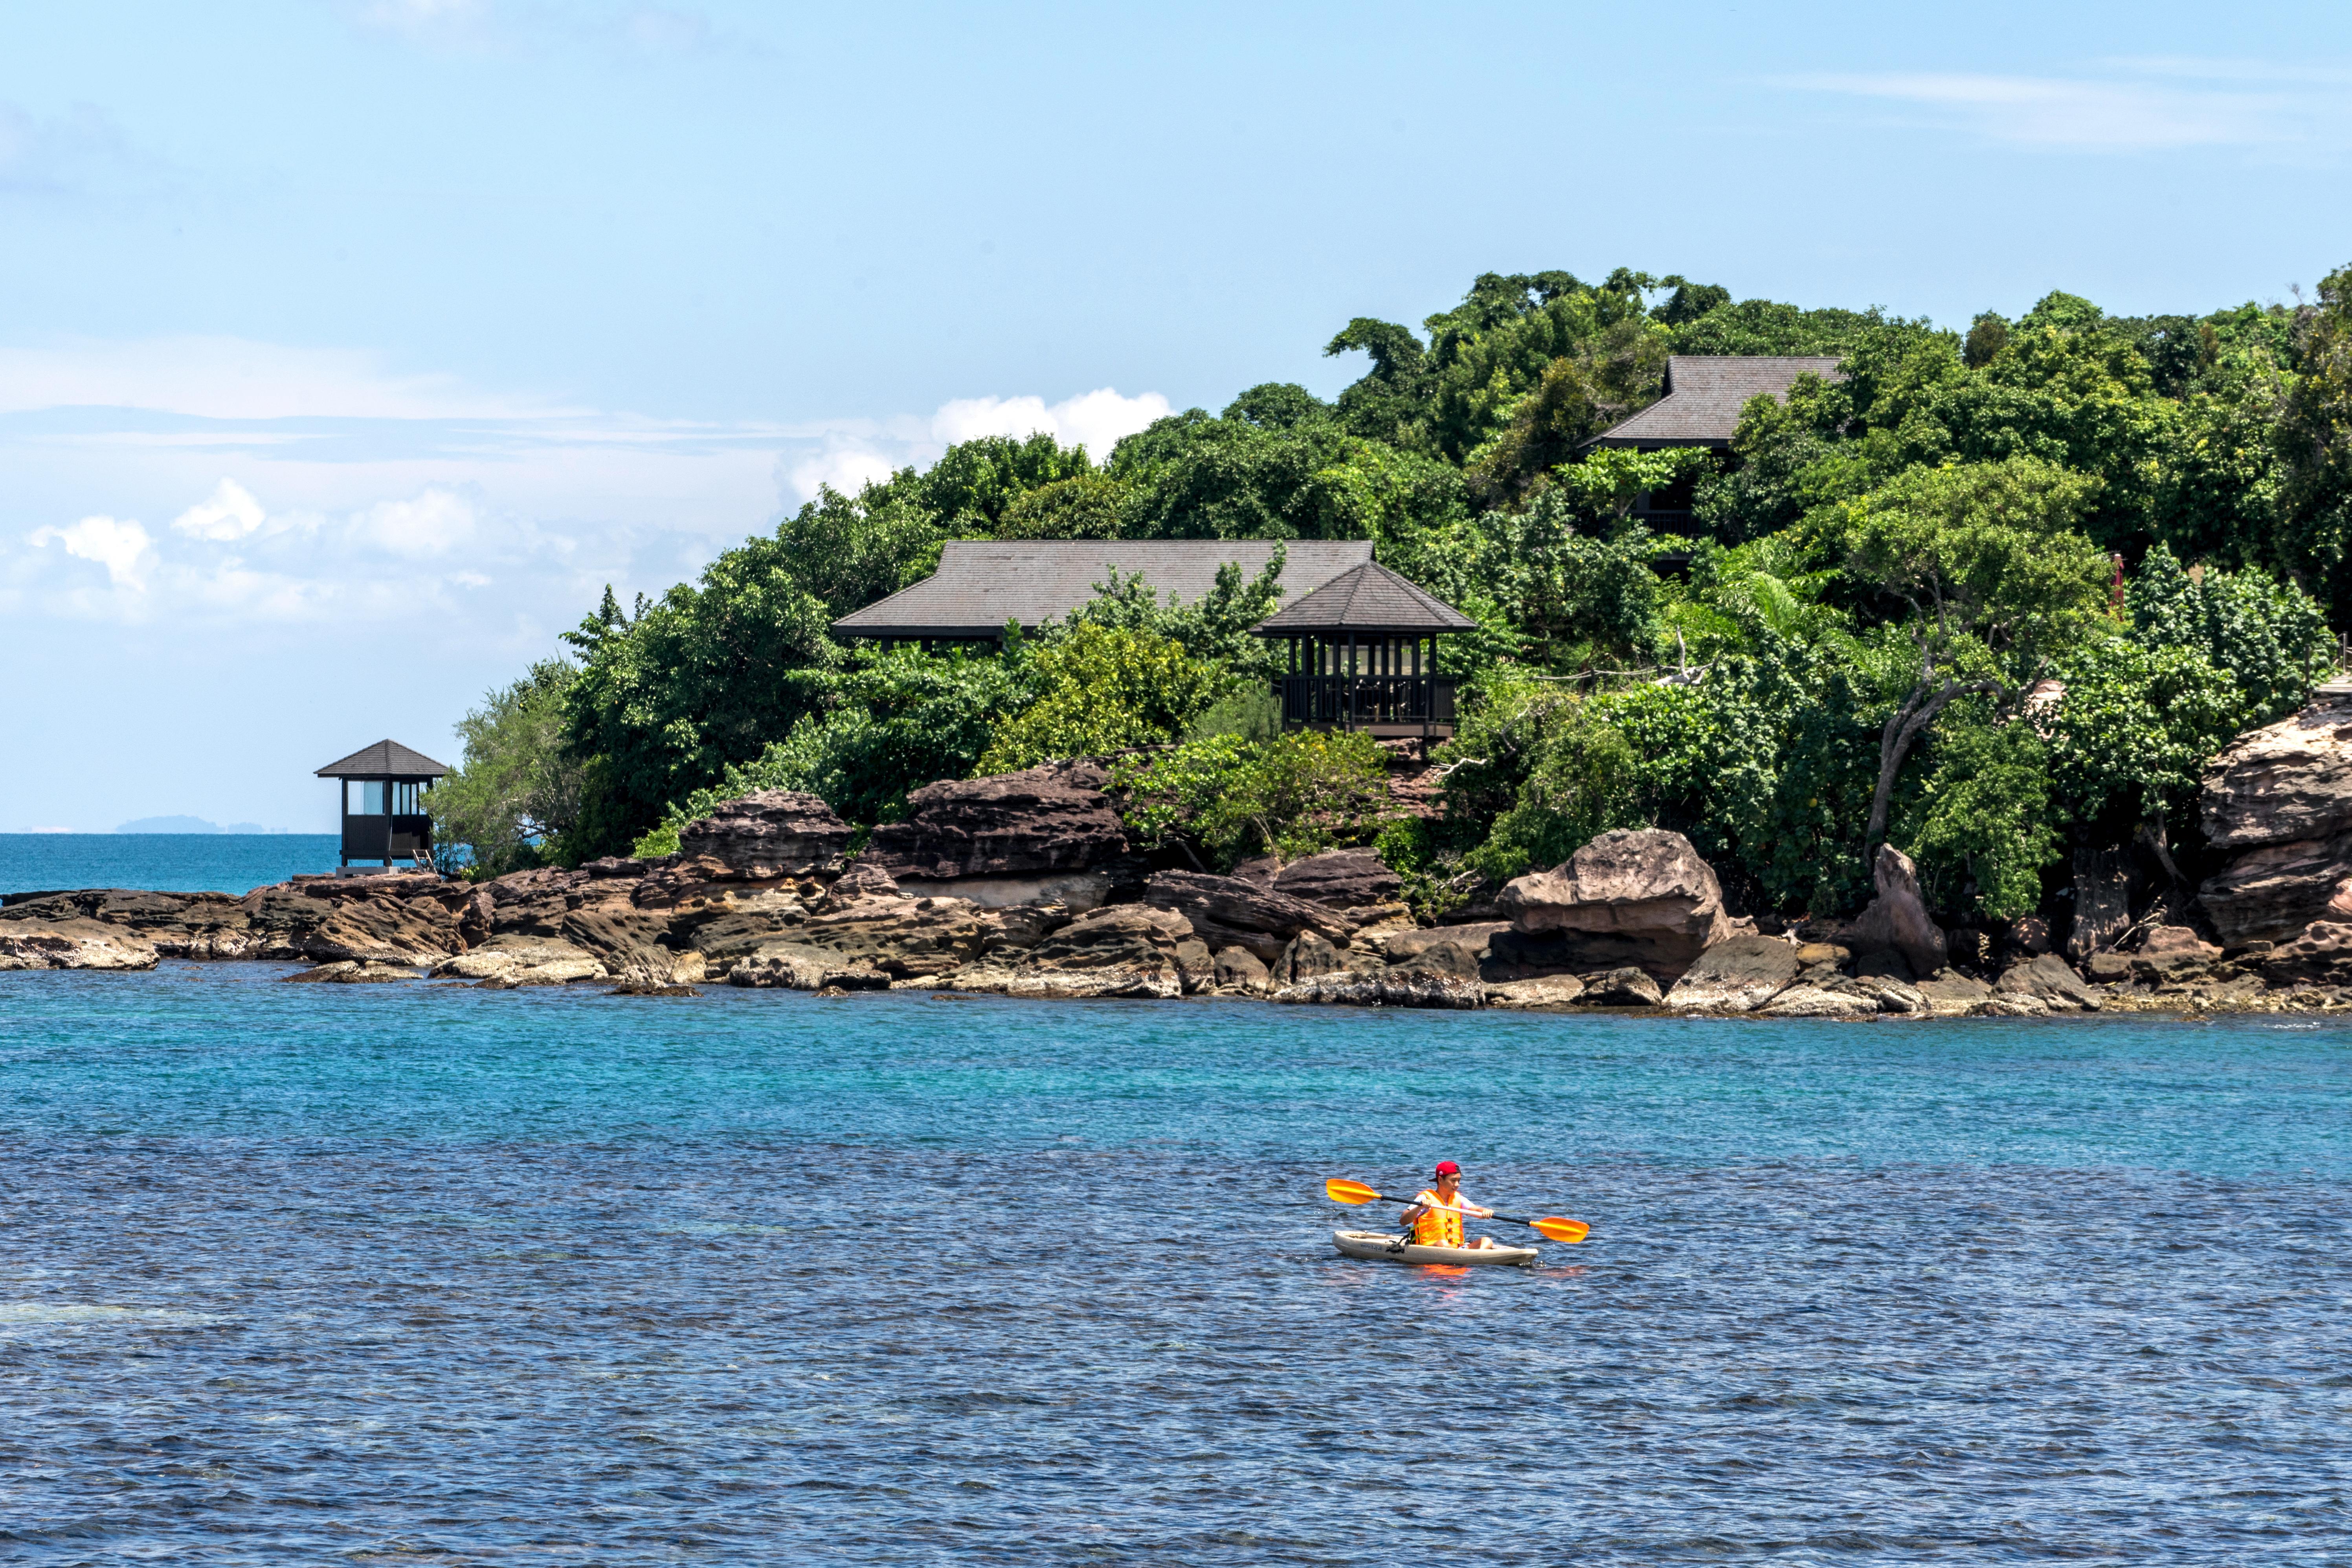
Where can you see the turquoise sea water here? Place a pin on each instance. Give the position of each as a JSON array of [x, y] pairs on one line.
[[302, 1274], [165, 862]]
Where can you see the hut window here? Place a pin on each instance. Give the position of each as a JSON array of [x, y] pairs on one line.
[[366, 797]]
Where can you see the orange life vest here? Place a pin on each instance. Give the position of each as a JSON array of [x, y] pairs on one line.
[[1436, 1227]]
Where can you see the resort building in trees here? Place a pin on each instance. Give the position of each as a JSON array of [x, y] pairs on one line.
[[1703, 396], [1361, 642], [983, 586]]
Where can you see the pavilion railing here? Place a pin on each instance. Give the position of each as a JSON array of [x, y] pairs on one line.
[[386, 837], [1351, 699]]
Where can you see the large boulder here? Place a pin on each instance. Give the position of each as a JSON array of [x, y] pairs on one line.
[[1238, 971], [1039, 835], [1313, 970], [1343, 878], [1227, 911], [2277, 808], [1637, 896], [393, 931], [1950, 993], [538, 902], [1537, 991], [633, 945], [2047, 980], [1125, 950], [906, 938], [2320, 953], [737, 922], [2171, 954], [1898, 918], [1399, 946], [774, 834], [1738, 974], [1630, 987], [791, 967]]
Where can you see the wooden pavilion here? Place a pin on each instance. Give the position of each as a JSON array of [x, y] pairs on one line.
[[382, 789], [1363, 656]]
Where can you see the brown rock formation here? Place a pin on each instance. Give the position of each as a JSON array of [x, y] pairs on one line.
[[776, 833], [1738, 974], [2047, 980], [1343, 878], [906, 938], [1044, 820], [1898, 918], [71, 942], [1637, 896], [794, 968], [1227, 911], [1125, 950], [2278, 805]]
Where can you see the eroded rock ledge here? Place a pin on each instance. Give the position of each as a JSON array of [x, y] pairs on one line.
[[1025, 885]]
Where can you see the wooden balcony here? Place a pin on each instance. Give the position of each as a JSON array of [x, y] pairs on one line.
[[386, 838], [1382, 704]]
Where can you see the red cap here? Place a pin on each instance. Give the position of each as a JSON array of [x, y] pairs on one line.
[[1448, 1168]]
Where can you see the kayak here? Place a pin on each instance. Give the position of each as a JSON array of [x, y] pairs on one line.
[[1389, 1248]]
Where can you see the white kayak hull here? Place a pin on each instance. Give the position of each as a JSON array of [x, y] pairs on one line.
[[1389, 1248]]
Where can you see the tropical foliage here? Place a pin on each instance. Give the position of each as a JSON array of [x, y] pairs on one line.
[[1987, 595]]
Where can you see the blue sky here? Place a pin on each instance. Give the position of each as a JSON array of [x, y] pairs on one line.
[[349, 349]]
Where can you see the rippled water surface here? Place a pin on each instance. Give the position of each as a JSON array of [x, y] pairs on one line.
[[403, 1273], [165, 862]]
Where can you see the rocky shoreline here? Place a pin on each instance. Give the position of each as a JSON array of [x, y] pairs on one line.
[[1027, 884]]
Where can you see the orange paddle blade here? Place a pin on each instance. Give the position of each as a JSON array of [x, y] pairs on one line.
[[1562, 1229], [1341, 1191]]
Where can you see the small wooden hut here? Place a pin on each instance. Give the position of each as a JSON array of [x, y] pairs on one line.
[[382, 791], [1364, 656]]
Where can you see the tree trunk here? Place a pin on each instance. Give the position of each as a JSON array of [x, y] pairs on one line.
[[1894, 741]]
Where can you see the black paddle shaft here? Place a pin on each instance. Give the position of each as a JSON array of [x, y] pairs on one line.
[[1506, 1218]]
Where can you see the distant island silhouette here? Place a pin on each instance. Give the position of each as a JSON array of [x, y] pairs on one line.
[[186, 824]]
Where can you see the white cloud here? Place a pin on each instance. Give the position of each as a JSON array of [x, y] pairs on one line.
[[229, 513], [431, 523], [119, 545], [854, 452], [232, 378], [1094, 420], [840, 468], [2152, 105]]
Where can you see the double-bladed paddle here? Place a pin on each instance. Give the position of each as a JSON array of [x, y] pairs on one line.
[[1342, 1191]]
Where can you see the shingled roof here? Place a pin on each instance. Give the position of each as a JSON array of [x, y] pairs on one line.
[[1372, 598], [1703, 396], [983, 583], [384, 760]]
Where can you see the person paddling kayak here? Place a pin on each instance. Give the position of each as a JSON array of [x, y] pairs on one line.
[[1437, 1210]]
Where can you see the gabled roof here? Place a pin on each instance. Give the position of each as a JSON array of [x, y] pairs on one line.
[[983, 583], [384, 760], [1372, 598], [1703, 396]]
